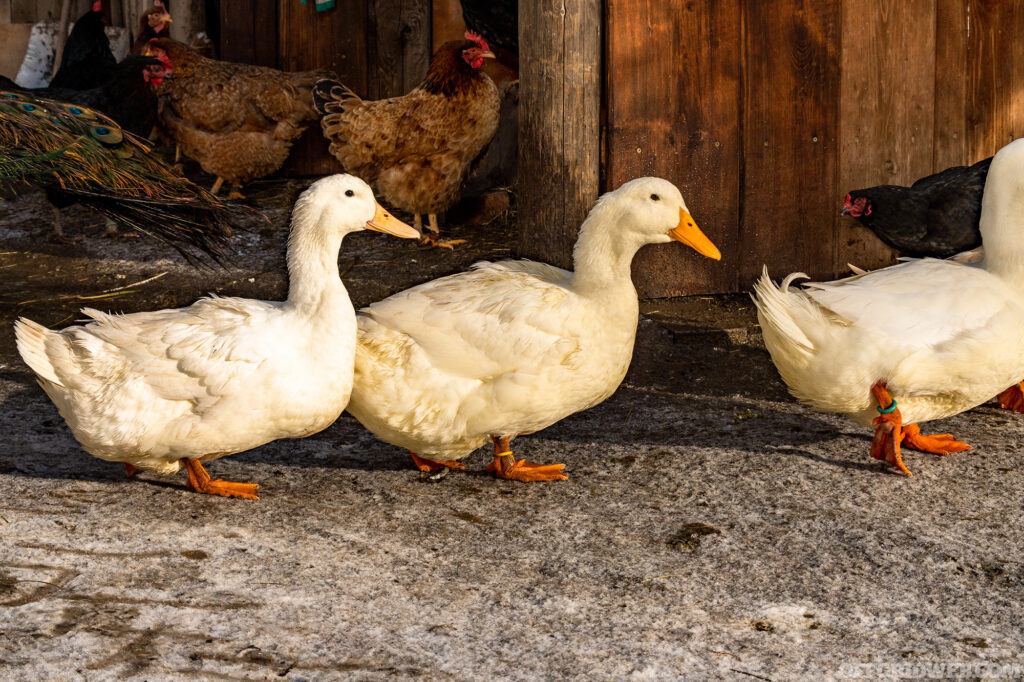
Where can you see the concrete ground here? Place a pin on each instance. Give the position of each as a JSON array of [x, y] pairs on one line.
[[710, 528]]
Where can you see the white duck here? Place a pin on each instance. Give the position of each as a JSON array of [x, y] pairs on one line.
[[941, 337], [512, 347], [158, 389]]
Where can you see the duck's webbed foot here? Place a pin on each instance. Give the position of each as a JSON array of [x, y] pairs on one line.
[[505, 465], [937, 443], [427, 465], [200, 481], [1013, 398], [890, 433]]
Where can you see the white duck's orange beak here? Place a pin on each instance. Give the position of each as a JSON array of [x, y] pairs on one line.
[[382, 221], [688, 233]]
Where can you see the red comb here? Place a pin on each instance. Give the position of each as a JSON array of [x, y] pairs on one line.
[[478, 39], [97, 6]]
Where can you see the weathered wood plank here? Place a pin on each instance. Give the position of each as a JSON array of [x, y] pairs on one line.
[[790, 138], [335, 40], [674, 112], [399, 46], [31, 11], [886, 123], [951, 26], [559, 123], [248, 32], [995, 68], [446, 22]]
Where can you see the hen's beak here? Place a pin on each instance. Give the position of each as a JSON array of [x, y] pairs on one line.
[[688, 233], [488, 55], [382, 221]]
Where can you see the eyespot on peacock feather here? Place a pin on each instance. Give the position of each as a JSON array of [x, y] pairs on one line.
[[85, 154]]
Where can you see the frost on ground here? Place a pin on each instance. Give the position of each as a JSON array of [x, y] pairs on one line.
[[710, 528]]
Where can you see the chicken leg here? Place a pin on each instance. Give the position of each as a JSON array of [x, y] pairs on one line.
[[890, 434], [505, 465], [110, 231], [200, 481], [432, 236], [57, 236]]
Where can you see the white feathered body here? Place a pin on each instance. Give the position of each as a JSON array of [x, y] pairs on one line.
[[945, 337], [218, 377], [224, 374], [507, 348]]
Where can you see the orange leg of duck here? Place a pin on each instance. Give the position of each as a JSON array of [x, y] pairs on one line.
[[426, 465], [130, 470], [505, 465], [1013, 398], [200, 481], [890, 433]]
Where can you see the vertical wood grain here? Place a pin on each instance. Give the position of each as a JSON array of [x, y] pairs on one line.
[[995, 75], [399, 46], [559, 124], [887, 111], [447, 22], [248, 32], [309, 40], [674, 112], [790, 138], [31, 11], [952, 20]]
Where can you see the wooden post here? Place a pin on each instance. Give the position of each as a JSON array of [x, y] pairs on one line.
[[559, 123]]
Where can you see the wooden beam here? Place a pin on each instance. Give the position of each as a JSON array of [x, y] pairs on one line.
[[559, 124]]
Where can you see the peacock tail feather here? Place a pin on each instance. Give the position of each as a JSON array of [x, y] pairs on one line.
[[83, 153]]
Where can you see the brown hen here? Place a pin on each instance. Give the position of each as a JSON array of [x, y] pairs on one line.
[[238, 121], [418, 149]]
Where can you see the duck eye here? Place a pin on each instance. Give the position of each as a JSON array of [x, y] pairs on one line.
[[349, 193], [655, 197]]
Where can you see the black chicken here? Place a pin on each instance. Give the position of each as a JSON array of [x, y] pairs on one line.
[[126, 97], [937, 216], [87, 61]]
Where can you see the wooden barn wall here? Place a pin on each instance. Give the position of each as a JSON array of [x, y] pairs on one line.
[[766, 113], [379, 48]]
